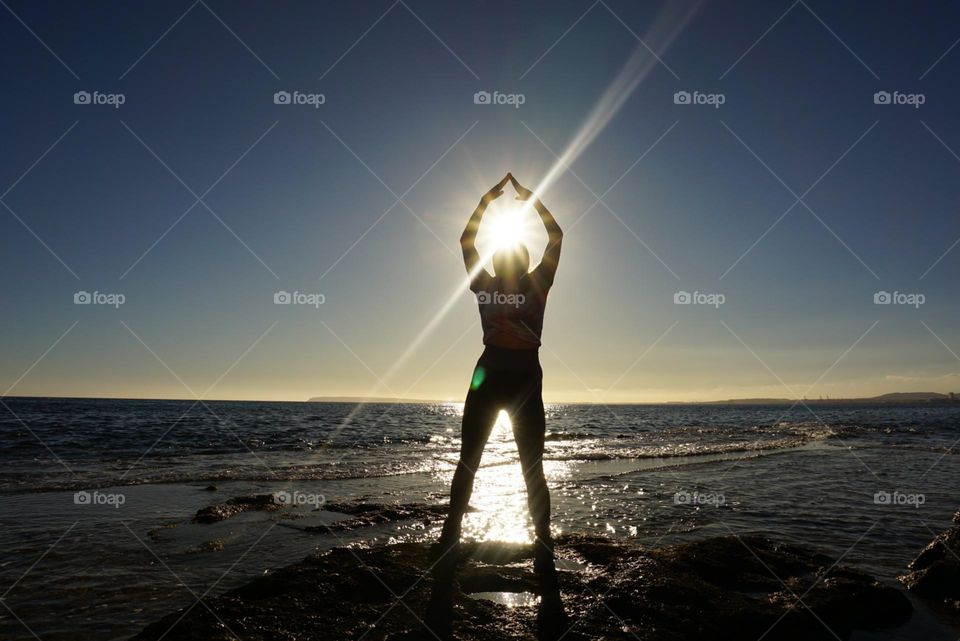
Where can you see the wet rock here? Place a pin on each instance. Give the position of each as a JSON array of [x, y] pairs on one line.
[[718, 588], [367, 514], [213, 545], [156, 532], [935, 573], [236, 505]]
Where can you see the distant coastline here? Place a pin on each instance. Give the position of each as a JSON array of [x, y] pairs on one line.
[[893, 398], [370, 399]]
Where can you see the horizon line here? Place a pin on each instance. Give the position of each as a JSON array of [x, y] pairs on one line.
[[414, 401]]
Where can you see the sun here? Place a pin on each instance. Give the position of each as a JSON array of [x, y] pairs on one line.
[[508, 226], [506, 230]]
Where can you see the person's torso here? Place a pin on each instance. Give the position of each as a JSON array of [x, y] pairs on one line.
[[513, 318]]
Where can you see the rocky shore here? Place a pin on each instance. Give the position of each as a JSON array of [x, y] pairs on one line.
[[731, 587], [935, 573]]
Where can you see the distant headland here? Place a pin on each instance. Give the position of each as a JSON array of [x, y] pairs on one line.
[[370, 399], [894, 398]]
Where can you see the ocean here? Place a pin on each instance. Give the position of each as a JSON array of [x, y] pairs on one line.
[[97, 495]]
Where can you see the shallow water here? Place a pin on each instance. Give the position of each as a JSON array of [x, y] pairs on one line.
[[509, 599], [652, 474]]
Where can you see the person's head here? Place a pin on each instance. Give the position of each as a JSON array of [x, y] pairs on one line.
[[512, 262]]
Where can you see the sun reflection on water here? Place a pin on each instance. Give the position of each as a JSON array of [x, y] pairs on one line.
[[499, 501]]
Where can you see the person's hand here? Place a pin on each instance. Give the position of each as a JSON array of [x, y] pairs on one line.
[[522, 192], [497, 190]]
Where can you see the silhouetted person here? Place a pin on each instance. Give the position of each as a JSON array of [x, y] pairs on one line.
[[507, 375]]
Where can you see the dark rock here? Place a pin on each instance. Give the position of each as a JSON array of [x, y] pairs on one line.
[[719, 588], [223, 511], [213, 545], [367, 514], [935, 573]]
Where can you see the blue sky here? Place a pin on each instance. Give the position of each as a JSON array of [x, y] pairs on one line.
[[297, 192]]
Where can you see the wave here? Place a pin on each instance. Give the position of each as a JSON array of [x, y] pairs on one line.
[[414, 462], [419, 445]]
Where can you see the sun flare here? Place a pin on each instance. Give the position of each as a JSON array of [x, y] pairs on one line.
[[506, 231], [506, 227]]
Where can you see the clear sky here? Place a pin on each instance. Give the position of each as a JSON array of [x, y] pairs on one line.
[[303, 197]]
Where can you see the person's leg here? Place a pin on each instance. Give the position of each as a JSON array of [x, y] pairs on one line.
[[479, 415], [529, 427]]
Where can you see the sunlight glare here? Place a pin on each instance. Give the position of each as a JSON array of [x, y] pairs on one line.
[[499, 493], [507, 231], [506, 227]]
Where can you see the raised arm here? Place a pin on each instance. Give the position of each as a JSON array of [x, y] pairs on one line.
[[551, 255], [471, 257]]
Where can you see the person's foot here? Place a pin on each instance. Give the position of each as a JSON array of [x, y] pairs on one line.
[[543, 555], [438, 617]]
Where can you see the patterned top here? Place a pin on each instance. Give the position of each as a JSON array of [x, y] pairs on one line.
[[519, 313]]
